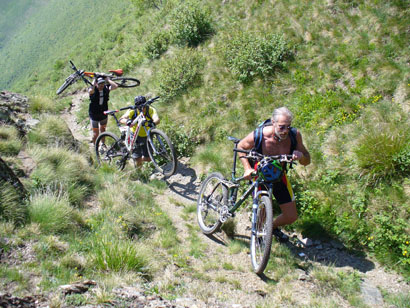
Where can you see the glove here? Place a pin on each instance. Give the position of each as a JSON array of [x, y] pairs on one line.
[[129, 122], [151, 123]]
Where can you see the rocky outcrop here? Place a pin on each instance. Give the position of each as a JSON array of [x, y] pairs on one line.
[[14, 111]]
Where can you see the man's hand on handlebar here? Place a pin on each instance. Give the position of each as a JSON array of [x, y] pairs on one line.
[[248, 174], [297, 155]]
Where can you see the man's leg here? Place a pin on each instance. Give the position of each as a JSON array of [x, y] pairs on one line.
[[288, 216]]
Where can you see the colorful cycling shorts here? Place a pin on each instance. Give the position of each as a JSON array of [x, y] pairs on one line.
[[282, 190]]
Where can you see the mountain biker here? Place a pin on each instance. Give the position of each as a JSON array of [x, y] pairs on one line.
[[140, 151], [276, 140], [99, 95]]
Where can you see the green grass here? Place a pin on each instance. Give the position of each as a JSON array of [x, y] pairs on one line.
[[10, 141]]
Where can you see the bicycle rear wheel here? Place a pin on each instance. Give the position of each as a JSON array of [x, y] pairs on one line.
[[212, 197], [126, 82], [162, 152], [69, 81], [111, 150], [261, 238]]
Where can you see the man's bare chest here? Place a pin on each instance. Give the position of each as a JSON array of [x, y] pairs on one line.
[[271, 146]]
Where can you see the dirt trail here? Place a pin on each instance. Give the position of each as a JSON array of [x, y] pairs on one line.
[[239, 286]]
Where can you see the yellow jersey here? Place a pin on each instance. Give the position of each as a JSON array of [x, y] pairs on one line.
[[151, 113]]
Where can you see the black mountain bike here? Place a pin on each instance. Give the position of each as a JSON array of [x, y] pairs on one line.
[[115, 76], [217, 201], [114, 150]]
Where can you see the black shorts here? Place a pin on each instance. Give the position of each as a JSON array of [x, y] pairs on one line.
[[140, 147], [282, 191]]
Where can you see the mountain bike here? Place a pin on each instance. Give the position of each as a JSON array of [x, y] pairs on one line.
[[217, 202], [117, 150], [115, 76]]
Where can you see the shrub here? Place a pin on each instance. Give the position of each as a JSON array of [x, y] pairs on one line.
[[248, 55], [52, 212], [184, 139], [10, 142], [41, 104], [383, 147], [62, 170], [157, 45], [118, 255], [178, 73], [52, 131], [191, 23]]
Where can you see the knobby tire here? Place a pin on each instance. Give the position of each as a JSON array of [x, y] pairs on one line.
[[261, 241], [212, 196], [126, 82], [161, 152], [114, 153]]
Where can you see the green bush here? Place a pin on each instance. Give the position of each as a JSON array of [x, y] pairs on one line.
[[191, 23], [178, 73], [184, 139], [382, 151], [157, 45], [52, 131], [52, 212], [118, 255], [10, 142], [62, 170], [248, 55]]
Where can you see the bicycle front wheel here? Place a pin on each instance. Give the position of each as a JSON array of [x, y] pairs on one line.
[[212, 197], [261, 238], [126, 82], [111, 150], [162, 152], [69, 81]]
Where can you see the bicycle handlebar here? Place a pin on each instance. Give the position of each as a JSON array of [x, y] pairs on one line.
[[147, 103], [255, 155]]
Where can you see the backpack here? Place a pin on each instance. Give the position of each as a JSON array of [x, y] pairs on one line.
[[258, 135]]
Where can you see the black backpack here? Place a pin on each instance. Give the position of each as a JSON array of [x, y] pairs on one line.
[[258, 135]]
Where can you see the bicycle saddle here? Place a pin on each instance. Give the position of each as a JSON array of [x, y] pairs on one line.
[[117, 72]]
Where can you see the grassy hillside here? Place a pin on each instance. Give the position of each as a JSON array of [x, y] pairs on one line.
[[221, 68], [38, 33]]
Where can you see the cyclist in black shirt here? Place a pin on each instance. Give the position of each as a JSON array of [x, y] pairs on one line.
[[99, 96]]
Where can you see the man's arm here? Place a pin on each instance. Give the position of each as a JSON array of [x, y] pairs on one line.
[[91, 89], [301, 153], [113, 85], [246, 143]]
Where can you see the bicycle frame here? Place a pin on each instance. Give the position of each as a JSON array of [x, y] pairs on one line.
[[138, 120]]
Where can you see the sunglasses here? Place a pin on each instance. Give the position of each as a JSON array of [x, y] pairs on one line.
[[282, 127]]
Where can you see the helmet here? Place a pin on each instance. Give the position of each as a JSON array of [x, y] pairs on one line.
[[139, 100], [100, 80]]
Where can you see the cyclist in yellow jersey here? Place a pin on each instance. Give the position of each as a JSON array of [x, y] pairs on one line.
[[140, 151]]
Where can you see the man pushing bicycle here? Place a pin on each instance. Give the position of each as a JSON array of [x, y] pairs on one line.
[[276, 137], [140, 152]]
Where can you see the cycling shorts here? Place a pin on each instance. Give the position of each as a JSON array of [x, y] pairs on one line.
[[282, 190], [96, 124], [140, 147]]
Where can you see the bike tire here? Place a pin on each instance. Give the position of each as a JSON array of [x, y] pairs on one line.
[[213, 195], [126, 82], [261, 238], [162, 152], [115, 152], [67, 82]]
